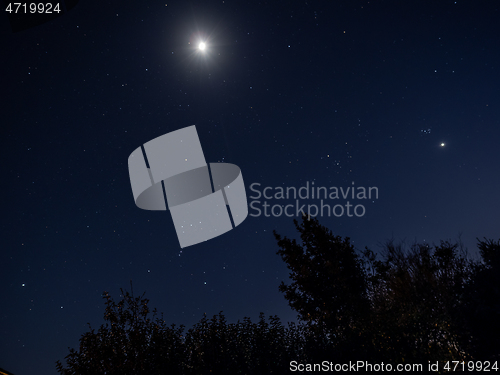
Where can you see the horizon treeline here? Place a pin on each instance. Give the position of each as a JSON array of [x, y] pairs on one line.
[[407, 305]]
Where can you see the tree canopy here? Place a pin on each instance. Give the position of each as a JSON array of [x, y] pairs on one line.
[[135, 340], [413, 303], [409, 304]]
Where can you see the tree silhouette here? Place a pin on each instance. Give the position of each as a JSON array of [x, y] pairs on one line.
[[416, 300], [129, 343], [329, 285], [482, 304], [408, 305], [214, 346], [132, 342]]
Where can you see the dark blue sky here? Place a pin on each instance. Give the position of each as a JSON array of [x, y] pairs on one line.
[[330, 92]]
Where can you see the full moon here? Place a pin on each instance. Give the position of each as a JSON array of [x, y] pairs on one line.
[[202, 46]]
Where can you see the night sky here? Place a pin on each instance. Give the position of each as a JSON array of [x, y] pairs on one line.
[[399, 95]]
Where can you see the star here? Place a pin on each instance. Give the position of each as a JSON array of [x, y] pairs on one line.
[[442, 144], [202, 46]]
